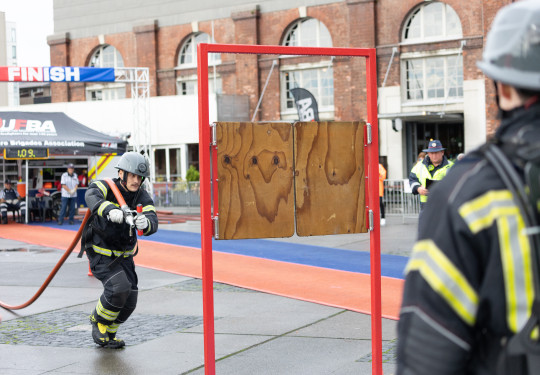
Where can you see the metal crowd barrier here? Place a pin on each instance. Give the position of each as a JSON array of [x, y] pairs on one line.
[[399, 200], [177, 194]]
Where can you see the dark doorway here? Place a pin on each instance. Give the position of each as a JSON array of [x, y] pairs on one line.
[[418, 134], [193, 155]]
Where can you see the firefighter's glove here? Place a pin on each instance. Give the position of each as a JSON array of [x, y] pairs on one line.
[[116, 216], [141, 222]]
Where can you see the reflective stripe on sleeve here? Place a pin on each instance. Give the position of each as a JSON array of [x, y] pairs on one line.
[[101, 187], [445, 279], [103, 206], [498, 208], [149, 208]]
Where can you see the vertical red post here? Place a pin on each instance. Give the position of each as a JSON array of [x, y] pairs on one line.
[[206, 218], [373, 199]]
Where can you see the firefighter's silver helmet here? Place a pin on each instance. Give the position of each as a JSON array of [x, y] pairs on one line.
[[512, 51], [135, 163]]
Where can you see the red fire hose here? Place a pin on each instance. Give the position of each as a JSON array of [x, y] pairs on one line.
[[62, 260], [53, 272]]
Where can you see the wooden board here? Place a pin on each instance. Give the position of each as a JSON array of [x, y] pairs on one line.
[[255, 180], [330, 183]]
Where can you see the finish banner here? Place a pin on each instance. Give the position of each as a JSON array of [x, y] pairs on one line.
[[55, 74]]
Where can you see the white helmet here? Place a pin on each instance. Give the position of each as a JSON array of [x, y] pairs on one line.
[[135, 163]]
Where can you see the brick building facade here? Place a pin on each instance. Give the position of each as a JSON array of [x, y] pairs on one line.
[[158, 35]]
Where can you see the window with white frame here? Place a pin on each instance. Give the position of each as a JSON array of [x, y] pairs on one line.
[[318, 81], [187, 85], [308, 32], [106, 56], [432, 21], [187, 58], [317, 78], [432, 76]]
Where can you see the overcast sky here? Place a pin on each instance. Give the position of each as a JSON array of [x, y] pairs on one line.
[[34, 19]]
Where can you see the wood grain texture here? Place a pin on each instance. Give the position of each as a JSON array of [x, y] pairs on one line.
[[255, 186], [330, 183]]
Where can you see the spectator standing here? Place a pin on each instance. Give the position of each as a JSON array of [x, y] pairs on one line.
[[69, 182], [382, 177]]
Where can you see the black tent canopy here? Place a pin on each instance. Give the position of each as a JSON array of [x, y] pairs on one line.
[[54, 131]]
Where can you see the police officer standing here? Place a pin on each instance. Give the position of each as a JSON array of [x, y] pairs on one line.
[[470, 301], [432, 168], [10, 199], [111, 244]]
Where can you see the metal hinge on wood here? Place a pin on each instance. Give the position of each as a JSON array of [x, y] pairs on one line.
[[213, 134], [371, 219], [215, 221], [368, 125]]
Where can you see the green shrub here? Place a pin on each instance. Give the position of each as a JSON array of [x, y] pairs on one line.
[[192, 174]]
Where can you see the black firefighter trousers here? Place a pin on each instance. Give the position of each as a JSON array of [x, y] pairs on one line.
[[120, 292]]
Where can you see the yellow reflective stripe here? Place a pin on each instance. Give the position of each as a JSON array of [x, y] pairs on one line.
[[102, 206], [101, 187], [149, 227], [480, 213], [516, 263], [445, 279], [106, 314], [112, 328], [498, 208], [149, 208], [117, 253], [101, 250]]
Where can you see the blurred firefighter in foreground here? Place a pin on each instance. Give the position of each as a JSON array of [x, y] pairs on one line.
[[471, 299], [111, 243]]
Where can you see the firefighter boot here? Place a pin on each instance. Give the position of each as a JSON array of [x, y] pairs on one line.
[[114, 342], [99, 331]]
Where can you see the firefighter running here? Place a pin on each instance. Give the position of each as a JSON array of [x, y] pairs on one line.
[[111, 243]]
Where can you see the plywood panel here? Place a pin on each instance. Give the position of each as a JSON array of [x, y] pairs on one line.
[[255, 172], [330, 183]]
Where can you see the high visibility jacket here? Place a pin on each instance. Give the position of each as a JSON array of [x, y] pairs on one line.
[[112, 239], [382, 177], [469, 282], [426, 170]]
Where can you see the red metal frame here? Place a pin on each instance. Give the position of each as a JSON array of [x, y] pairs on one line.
[[208, 152]]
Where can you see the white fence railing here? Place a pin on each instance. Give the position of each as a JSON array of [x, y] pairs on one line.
[[177, 194], [399, 200]]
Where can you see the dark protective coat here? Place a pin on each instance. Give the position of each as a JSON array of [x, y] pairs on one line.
[[469, 283]]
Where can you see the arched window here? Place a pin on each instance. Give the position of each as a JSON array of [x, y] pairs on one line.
[[432, 76], [187, 59], [106, 56], [308, 32], [433, 21], [316, 77]]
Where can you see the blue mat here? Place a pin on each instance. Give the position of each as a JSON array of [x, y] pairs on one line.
[[318, 256]]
